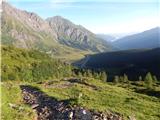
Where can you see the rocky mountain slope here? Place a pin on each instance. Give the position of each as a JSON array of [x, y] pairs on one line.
[[146, 39], [24, 29], [76, 36], [55, 35]]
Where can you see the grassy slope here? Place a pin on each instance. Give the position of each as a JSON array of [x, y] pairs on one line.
[[29, 65], [108, 97], [11, 94]]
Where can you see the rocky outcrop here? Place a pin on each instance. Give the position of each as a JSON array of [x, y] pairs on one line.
[[48, 108]]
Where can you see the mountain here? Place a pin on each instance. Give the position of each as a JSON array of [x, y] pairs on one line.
[[131, 62], [28, 30], [146, 39], [76, 36], [24, 29]]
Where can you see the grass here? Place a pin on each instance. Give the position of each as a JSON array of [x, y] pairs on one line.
[[11, 94], [106, 98]]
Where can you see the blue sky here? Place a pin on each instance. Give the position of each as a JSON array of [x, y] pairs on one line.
[[99, 16]]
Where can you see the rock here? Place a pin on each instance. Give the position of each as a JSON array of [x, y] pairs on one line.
[[35, 106], [71, 115], [84, 111], [48, 108]]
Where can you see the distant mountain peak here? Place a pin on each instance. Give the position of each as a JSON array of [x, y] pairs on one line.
[[76, 35]]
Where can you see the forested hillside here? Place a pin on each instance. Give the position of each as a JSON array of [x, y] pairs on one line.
[[134, 63], [31, 65]]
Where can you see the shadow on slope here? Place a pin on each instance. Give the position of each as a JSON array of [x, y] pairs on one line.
[[49, 108], [134, 63]]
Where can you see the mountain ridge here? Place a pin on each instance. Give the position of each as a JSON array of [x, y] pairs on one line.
[[150, 37], [76, 36], [28, 30]]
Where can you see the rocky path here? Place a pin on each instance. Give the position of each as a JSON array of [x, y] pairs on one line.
[[48, 108]]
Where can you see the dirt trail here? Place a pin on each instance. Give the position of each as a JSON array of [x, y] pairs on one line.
[[48, 108]]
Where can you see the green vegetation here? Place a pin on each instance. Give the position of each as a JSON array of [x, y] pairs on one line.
[[104, 76], [90, 89], [31, 65], [149, 81], [106, 97], [12, 104]]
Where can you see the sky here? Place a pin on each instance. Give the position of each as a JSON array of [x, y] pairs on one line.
[[99, 16]]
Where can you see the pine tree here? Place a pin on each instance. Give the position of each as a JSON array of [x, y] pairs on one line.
[[79, 74], [116, 79], [155, 79], [96, 75], [121, 79], [104, 76], [140, 78], [149, 81], [89, 73], [125, 78], [85, 74]]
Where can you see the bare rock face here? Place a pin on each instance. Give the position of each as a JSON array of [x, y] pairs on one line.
[[28, 19], [76, 36], [26, 29]]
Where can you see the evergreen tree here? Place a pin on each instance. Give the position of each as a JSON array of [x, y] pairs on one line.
[[121, 79], [104, 76], [89, 73], [149, 81], [155, 79], [80, 75], [125, 78], [116, 79], [85, 74], [140, 78], [96, 75]]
